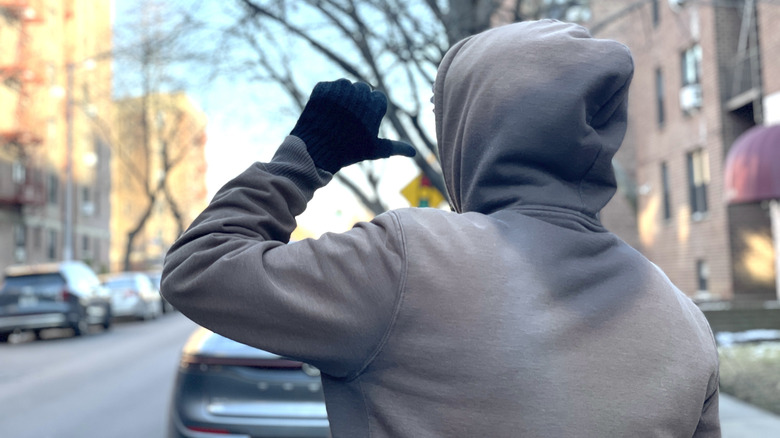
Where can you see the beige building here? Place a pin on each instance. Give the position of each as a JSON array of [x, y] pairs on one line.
[[55, 79], [158, 177], [705, 73]]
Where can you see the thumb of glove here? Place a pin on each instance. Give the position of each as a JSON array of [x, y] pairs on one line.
[[388, 148]]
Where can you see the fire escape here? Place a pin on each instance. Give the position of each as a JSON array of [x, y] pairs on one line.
[[744, 87], [20, 133]]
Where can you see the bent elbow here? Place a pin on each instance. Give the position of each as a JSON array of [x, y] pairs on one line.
[[170, 288]]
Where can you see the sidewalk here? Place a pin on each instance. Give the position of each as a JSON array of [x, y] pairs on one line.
[[741, 420]]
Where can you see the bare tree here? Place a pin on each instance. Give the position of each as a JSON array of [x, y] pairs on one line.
[[152, 132], [394, 45]]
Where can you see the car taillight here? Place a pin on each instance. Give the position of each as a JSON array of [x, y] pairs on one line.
[[130, 293], [64, 295], [208, 430]]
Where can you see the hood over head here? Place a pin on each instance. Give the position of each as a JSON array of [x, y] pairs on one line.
[[531, 114]]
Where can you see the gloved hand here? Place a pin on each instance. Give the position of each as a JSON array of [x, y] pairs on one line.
[[340, 125]]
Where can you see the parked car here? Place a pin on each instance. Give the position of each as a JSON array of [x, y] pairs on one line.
[[225, 388], [133, 295], [156, 276], [53, 295]]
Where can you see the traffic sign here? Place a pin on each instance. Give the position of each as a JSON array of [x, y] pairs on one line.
[[421, 193]]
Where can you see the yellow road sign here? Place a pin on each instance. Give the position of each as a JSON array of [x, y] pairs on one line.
[[421, 193]]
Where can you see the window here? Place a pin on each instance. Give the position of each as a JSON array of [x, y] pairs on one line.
[[690, 93], [87, 207], [85, 245], [569, 10], [52, 248], [659, 95], [656, 13], [20, 235], [698, 179], [665, 191], [20, 243], [36, 237], [18, 172], [54, 189], [702, 276], [691, 66]]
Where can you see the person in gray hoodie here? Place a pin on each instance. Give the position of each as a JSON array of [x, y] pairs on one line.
[[515, 315]]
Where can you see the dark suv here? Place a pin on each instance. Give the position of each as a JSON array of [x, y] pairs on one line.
[[54, 295]]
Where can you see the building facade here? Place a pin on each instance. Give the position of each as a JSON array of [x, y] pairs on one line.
[[55, 79], [157, 177], [704, 74]]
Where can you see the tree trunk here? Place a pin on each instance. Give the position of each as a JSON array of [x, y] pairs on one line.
[[132, 234]]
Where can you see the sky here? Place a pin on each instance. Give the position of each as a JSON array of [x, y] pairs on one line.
[[246, 123], [244, 130]]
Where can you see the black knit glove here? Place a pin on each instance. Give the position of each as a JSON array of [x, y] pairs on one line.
[[340, 126]]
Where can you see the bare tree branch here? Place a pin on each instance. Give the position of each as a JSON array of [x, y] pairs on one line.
[[394, 45]]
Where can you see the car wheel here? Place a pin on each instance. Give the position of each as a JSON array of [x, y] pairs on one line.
[[37, 334], [4, 337], [147, 313], [154, 311], [107, 319], [81, 327]]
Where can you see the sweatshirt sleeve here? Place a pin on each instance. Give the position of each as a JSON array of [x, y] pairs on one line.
[[327, 301], [709, 422]]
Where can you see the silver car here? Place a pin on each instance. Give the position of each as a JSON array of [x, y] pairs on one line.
[[156, 276], [52, 295], [133, 295], [227, 389]]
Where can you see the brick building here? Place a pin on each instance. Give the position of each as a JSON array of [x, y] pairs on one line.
[[704, 74], [54, 78]]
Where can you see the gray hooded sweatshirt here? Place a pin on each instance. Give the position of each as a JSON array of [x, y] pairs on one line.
[[517, 315]]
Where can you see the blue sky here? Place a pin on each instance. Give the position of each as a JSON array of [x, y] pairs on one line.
[[247, 121]]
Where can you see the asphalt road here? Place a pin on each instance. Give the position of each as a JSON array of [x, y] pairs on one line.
[[115, 384]]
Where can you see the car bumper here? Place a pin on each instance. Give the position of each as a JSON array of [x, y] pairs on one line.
[[32, 322], [123, 308], [244, 417]]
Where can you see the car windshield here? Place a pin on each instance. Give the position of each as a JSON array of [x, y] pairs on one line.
[[120, 283], [36, 282]]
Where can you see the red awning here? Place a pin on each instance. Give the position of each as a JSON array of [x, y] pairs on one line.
[[753, 166]]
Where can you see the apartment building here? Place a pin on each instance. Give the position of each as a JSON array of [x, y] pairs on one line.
[[705, 73], [157, 176], [55, 80]]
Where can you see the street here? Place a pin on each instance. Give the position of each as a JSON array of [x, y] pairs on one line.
[[110, 385], [117, 384]]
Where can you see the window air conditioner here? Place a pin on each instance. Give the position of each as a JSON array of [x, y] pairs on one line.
[[676, 5], [690, 97], [88, 208]]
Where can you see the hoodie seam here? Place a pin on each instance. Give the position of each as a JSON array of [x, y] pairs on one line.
[[582, 180], [400, 293], [438, 97], [589, 120], [556, 212], [365, 408]]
